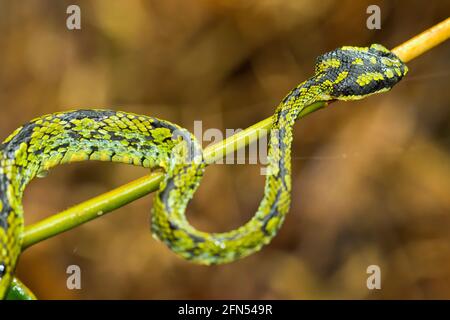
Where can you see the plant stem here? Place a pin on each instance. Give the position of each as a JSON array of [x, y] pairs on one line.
[[107, 202], [116, 198]]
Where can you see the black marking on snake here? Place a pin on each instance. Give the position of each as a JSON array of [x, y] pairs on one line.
[[74, 135], [149, 138], [4, 220], [142, 159], [147, 147]]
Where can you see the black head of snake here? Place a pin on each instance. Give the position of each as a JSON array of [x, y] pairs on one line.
[[347, 73]]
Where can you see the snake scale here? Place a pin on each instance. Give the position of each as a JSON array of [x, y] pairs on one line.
[[346, 73]]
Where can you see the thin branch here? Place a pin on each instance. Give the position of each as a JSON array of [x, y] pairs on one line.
[[129, 192]]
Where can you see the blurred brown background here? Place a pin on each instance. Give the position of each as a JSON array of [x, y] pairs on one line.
[[371, 179]]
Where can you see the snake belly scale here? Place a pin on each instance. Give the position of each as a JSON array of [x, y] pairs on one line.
[[347, 73]]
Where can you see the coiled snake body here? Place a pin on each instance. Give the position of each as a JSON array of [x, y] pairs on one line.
[[347, 73]]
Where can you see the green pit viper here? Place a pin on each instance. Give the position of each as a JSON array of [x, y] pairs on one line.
[[347, 73]]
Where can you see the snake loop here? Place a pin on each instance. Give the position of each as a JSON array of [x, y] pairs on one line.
[[347, 73]]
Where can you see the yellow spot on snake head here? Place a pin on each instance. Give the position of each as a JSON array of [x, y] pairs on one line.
[[373, 60]]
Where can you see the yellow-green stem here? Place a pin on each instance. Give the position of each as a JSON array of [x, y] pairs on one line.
[[131, 191]]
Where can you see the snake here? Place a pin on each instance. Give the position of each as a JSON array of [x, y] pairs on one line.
[[346, 73]]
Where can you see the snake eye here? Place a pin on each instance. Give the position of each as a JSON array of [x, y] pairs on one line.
[[2, 270]]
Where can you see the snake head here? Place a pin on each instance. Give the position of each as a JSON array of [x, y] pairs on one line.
[[352, 73]]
